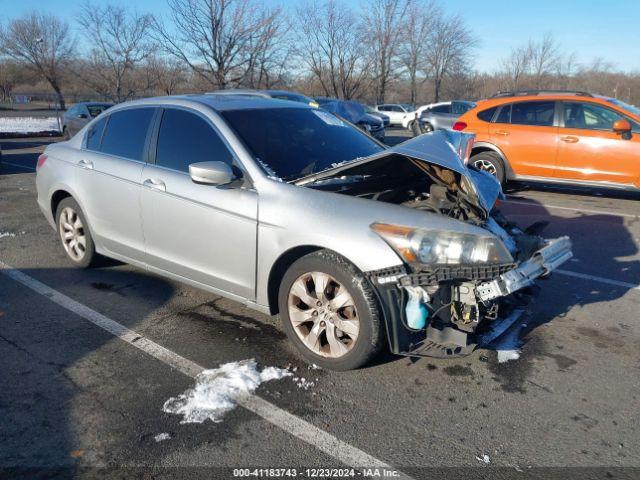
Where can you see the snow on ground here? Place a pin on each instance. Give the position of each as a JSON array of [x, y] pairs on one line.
[[486, 459], [162, 437], [28, 125], [216, 390], [7, 234], [506, 355]]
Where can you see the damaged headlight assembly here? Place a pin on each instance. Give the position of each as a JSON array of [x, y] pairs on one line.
[[437, 247]]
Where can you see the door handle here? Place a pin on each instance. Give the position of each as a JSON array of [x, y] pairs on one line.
[[504, 133], [155, 184], [569, 139], [86, 164]]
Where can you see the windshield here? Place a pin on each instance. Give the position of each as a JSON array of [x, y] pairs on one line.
[[294, 142], [626, 106], [95, 110]]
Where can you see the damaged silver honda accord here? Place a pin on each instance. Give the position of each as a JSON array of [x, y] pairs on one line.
[[295, 212]]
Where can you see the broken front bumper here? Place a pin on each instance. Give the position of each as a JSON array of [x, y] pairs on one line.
[[541, 263], [491, 281]]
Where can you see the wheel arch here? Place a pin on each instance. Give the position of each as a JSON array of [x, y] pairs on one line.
[[278, 269], [479, 147], [56, 198]]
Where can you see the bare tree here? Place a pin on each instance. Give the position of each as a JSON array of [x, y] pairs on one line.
[[120, 42], [166, 76], [11, 74], [329, 46], [449, 51], [383, 27], [220, 40], [421, 18], [544, 58], [516, 66], [44, 43]]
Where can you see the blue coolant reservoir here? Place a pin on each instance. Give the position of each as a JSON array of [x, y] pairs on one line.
[[416, 311]]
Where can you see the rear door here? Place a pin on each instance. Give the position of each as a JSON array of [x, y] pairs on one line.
[[589, 148], [204, 233], [527, 134], [109, 174]]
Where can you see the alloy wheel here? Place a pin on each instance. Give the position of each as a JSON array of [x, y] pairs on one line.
[[482, 164], [323, 314], [72, 234]]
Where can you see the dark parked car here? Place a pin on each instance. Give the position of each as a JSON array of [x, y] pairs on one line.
[[79, 115], [443, 115], [385, 118], [355, 113], [278, 94]]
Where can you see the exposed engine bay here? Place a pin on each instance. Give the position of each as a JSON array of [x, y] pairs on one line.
[[448, 309]]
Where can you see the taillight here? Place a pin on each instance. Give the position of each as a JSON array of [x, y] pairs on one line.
[[459, 126], [41, 159]]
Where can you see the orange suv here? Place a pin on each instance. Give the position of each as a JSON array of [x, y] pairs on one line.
[[556, 136]]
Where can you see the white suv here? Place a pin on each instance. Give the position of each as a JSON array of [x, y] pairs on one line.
[[399, 114]]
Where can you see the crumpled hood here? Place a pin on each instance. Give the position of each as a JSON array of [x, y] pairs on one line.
[[444, 148]]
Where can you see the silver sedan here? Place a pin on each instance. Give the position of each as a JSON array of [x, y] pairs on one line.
[[291, 211]]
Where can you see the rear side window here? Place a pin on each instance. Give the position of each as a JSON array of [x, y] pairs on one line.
[[185, 138], [94, 135], [441, 109], [533, 113], [487, 115], [126, 133], [505, 114]]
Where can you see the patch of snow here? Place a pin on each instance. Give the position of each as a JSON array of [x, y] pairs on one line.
[[486, 459], [162, 437], [217, 389], [7, 234], [313, 366], [28, 125], [506, 355], [303, 383]]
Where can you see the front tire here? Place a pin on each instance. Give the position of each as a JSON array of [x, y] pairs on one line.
[[491, 163], [329, 312], [74, 234]]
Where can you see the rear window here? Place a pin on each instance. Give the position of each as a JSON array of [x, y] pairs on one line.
[[533, 113], [487, 115], [441, 109], [126, 133], [95, 110]]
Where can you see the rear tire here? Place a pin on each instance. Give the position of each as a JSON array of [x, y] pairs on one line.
[[74, 234], [491, 163], [313, 316]]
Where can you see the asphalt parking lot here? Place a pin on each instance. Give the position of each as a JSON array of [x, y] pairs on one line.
[[75, 396]]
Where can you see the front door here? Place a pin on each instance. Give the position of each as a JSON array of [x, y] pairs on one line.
[[527, 134], [591, 151], [200, 232]]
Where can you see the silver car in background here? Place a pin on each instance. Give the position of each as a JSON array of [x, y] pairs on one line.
[[441, 116], [291, 211], [76, 117]]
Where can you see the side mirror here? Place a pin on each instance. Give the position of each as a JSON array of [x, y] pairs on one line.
[[211, 173], [622, 126], [82, 115]]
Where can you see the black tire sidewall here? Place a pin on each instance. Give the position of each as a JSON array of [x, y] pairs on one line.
[[368, 341], [495, 160], [90, 251]]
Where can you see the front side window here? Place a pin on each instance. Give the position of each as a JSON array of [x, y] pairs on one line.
[[126, 133], [589, 116], [94, 135], [294, 142], [533, 113], [185, 138]]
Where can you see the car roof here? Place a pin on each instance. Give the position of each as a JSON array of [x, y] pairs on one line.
[[93, 104], [221, 103], [501, 100]]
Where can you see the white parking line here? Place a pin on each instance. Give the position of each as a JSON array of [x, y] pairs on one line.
[[594, 278], [583, 210], [296, 426]]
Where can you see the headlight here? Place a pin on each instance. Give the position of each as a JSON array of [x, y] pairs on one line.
[[442, 247]]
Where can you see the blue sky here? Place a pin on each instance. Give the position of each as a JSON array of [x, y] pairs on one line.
[[591, 28]]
